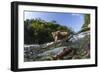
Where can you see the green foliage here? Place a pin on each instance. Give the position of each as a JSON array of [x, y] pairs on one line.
[[37, 31], [85, 27], [86, 20]]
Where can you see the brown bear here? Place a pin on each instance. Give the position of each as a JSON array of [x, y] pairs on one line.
[[59, 35]]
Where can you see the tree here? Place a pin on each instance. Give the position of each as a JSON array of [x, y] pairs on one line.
[[86, 20], [85, 27]]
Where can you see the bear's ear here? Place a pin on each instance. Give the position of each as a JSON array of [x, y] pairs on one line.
[[58, 31], [52, 33]]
